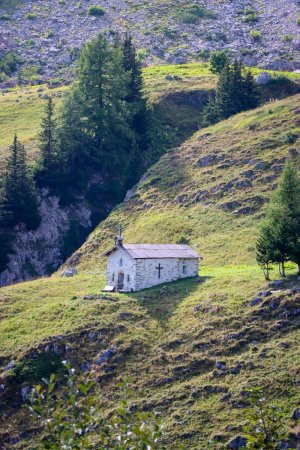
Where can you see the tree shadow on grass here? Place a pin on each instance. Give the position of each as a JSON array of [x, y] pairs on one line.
[[161, 301]]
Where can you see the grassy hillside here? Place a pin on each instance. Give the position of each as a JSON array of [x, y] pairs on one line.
[[210, 192], [21, 109]]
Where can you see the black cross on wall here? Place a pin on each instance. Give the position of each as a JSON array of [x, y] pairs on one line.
[[159, 268]]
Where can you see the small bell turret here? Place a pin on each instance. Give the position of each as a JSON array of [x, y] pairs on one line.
[[119, 238]]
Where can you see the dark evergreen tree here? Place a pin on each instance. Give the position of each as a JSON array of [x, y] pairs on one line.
[[140, 113], [19, 202], [218, 61], [236, 92], [47, 137], [48, 168], [279, 240], [95, 130]]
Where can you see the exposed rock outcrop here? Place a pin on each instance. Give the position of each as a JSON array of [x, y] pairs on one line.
[[39, 252]]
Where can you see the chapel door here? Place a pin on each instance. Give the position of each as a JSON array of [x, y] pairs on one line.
[[120, 281]]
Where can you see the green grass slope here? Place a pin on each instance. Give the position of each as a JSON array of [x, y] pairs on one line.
[[209, 192]]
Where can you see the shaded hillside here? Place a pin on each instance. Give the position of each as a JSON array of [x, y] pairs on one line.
[[211, 190], [192, 347]]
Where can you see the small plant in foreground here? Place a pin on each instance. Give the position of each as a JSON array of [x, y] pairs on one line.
[[266, 426], [72, 417]]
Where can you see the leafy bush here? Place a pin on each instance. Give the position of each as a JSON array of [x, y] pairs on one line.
[[5, 17], [191, 14], [73, 418], [255, 34], [251, 18], [96, 11], [266, 426], [9, 63], [31, 16], [35, 369], [290, 137]]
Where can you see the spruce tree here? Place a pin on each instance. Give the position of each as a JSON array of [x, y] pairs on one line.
[[236, 92], [19, 201], [47, 137], [279, 240], [135, 97]]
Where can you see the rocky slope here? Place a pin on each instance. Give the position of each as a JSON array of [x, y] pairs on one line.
[[48, 34]]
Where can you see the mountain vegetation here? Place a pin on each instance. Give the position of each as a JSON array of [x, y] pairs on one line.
[[192, 348]]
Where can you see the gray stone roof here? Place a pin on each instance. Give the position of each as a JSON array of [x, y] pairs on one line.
[[148, 251]]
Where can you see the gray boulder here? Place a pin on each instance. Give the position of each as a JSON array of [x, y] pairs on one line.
[[237, 443], [263, 78], [70, 272]]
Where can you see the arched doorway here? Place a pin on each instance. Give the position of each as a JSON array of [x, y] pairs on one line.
[[120, 285]]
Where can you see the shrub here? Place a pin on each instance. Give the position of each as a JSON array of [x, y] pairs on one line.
[[255, 34], [298, 20], [72, 417], [31, 16], [290, 137], [191, 14], [5, 17], [251, 18], [35, 369], [96, 11], [287, 38]]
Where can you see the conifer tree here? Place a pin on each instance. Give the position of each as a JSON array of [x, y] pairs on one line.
[[47, 137], [19, 202], [279, 239], [135, 97], [236, 92]]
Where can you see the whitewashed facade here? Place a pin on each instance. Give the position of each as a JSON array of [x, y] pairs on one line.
[[132, 267]]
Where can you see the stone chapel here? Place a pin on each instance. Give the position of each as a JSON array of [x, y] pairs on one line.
[[132, 267]]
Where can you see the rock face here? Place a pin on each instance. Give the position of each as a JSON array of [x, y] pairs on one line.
[[39, 252]]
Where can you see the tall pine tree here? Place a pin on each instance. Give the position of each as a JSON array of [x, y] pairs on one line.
[[19, 201], [48, 165]]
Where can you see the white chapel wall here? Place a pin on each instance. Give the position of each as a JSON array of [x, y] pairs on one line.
[[127, 267], [172, 269]]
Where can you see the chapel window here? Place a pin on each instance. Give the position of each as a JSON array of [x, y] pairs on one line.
[[184, 269], [113, 277], [128, 278], [121, 262]]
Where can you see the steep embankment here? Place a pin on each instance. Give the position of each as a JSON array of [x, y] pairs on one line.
[[47, 34], [193, 347]]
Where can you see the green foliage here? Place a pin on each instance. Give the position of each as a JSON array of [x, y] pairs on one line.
[[279, 239], [73, 418], [49, 163], [193, 13], [9, 63], [96, 11], [218, 61], [19, 203], [41, 366], [31, 16], [236, 92], [255, 34], [266, 424]]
